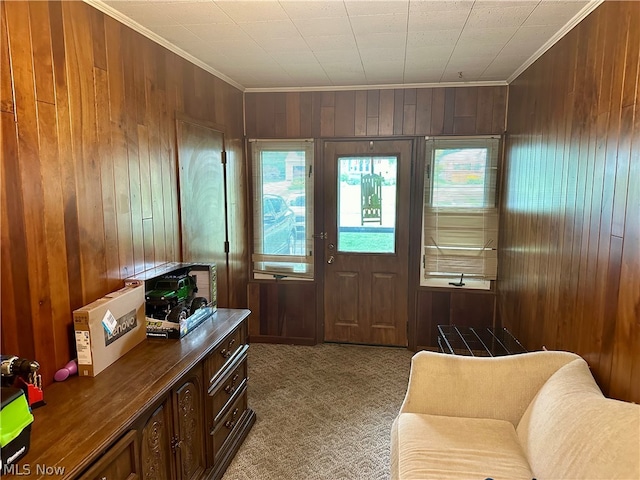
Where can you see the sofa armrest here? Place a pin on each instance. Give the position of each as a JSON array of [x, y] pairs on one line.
[[479, 387]]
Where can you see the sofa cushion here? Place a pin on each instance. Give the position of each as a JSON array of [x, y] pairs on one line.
[[439, 447], [570, 430]]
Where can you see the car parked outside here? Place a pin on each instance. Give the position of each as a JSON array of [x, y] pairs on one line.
[[278, 223], [297, 204]]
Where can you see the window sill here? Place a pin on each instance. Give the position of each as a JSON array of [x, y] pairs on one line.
[[469, 284], [284, 277]]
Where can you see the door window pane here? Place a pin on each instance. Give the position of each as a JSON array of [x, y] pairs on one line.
[[367, 204]]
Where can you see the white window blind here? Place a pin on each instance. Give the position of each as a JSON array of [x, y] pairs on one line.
[[460, 234], [282, 177]]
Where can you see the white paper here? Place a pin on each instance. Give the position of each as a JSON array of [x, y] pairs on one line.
[[109, 322], [83, 345]]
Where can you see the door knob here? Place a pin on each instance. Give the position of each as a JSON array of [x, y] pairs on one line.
[[331, 259]]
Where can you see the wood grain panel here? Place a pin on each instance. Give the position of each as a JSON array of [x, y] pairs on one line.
[[383, 299], [117, 132], [306, 115], [17, 335], [282, 312], [30, 180], [384, 113], [202, 199], [94, 102], [385, 124], [449, 110], [421, 111], [345, 114], [373, 112], [472, 309], [42, 61], [451, 307], [398, 111], [570, 261], [327, 121], [238, 223], [281, 115], [424, 99], [6, 82], [347, 283], [293, 115], [65, 152], [54, 234], [361, 113], [144, 172]]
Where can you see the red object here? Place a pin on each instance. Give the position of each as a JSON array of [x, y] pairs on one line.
[[35, 395]]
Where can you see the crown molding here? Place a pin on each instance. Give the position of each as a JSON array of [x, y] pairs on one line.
[[106, 9], [581, 15], [385, 86]]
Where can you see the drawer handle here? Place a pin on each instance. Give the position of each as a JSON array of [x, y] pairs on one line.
[[231, 387], [231, 423], [233, 340], [225, 353]]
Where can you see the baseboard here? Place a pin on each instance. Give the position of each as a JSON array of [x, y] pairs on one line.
[[284, 340]]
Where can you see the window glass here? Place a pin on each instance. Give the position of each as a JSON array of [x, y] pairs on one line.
[[367, 204], [459, 177], [283, 208], [460, 222]]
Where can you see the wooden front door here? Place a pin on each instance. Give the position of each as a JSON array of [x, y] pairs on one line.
[[366, 249]]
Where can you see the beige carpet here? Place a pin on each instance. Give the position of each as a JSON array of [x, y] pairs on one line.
[[323, 412]]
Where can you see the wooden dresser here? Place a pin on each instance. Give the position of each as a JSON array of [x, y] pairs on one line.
[[168, 409]]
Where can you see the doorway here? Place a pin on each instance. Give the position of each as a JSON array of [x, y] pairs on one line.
[[366, 244]]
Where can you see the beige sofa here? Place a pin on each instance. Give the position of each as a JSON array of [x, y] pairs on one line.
[[536, 415]]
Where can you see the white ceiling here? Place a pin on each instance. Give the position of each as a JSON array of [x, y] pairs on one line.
[[269, 45]]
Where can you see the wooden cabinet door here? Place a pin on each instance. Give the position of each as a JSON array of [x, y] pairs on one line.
[[120, 462], [155, 445], [202, 197], [189, 421]]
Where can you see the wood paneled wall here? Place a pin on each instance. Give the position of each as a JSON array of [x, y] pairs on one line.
[[570, 258], [372, 113], [89, 181], [376, 113]]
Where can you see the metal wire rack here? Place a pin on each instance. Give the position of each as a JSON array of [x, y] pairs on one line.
[[477, 342]]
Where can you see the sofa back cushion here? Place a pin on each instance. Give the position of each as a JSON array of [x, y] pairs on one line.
[[570, 430]]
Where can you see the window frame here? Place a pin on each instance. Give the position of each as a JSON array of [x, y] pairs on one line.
[[489, 213], [281, 265]]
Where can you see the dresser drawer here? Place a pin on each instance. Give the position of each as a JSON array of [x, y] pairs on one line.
[[120, 462], [229, 388], [224, 353], [222, 431]]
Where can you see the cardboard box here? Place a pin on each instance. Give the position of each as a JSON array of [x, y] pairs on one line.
[[108, 328], [206, 274], [206, 278], [207, 281]]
